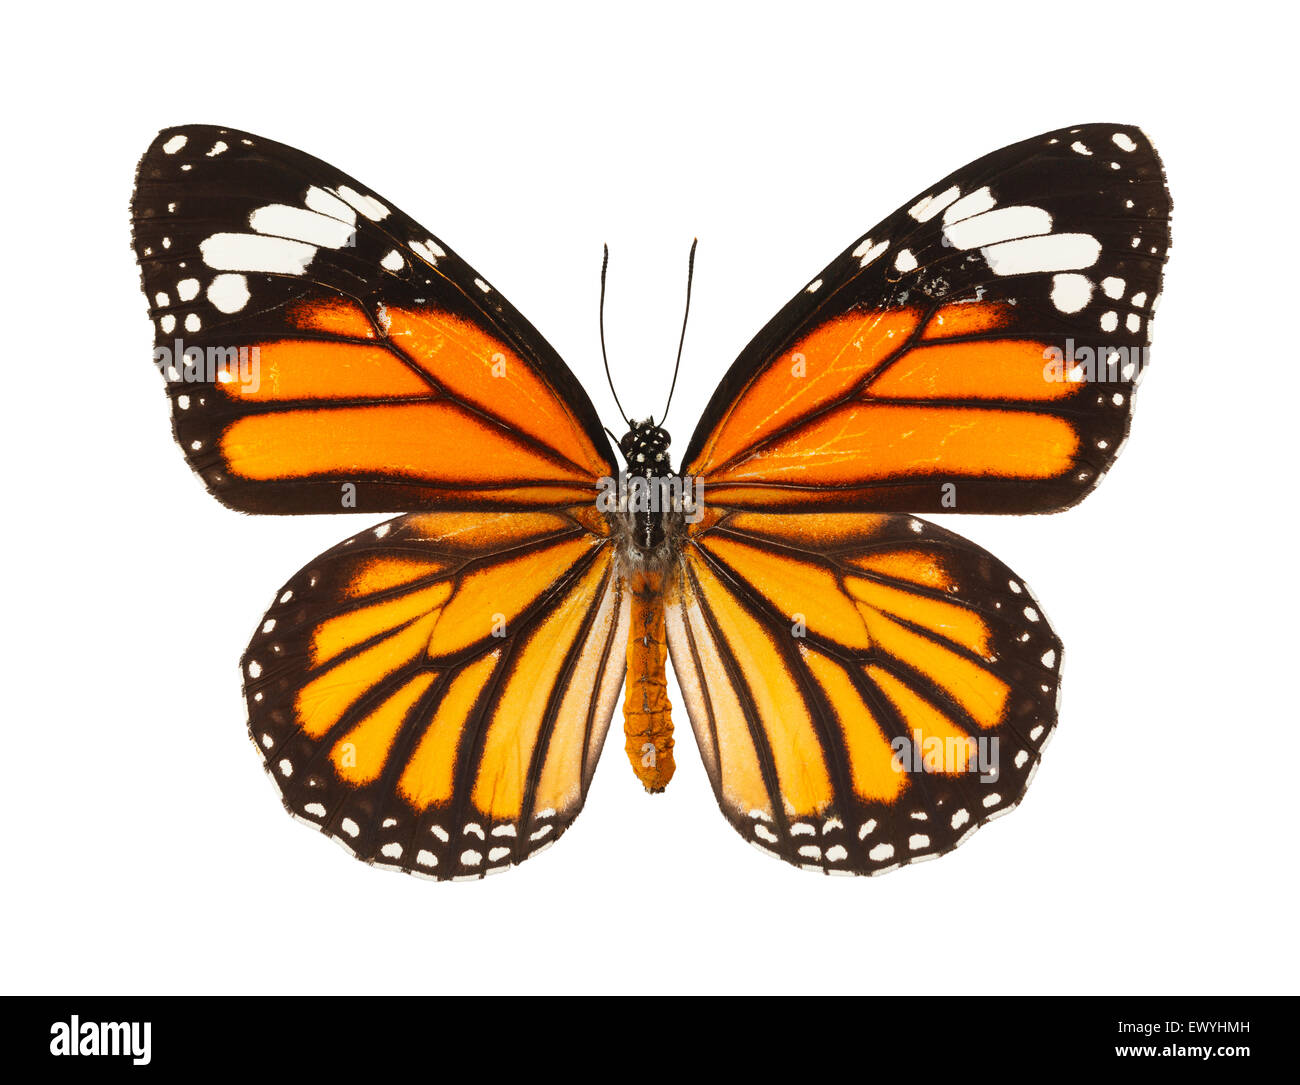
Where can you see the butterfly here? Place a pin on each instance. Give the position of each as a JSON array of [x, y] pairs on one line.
[[866, 689]]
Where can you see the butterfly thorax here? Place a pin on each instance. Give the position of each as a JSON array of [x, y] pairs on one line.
[[645, 446]]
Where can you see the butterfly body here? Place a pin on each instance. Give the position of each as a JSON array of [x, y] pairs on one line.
[[866, 689], [651, 521]]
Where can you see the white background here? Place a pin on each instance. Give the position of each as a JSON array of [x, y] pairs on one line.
[[145, 849]]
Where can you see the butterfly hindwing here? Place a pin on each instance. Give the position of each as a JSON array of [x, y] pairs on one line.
[[325, 353], [433, 693], [866, 690], [977, 351]]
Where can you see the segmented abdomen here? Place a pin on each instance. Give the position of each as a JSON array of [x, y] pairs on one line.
[[647, 713]]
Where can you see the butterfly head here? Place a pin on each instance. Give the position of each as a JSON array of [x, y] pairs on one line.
[[646, 447]]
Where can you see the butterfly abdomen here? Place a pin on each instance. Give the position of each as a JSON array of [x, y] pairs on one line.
[[647, 714]]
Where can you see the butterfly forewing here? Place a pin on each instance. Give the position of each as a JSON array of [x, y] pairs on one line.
[[325, 353], [977, 351]]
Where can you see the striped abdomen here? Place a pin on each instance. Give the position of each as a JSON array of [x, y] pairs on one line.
[[647, 714]]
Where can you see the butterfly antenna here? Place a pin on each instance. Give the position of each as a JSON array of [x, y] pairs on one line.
[[690, 276], [604, 267]]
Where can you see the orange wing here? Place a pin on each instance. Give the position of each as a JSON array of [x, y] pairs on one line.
[[866, 690], [325, 353], [434, 692], [975, 352]]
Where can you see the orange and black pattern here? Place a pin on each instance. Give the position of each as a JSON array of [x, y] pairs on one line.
[[949, 360], [347, 360], [434, 692], [866, 689], [647, 713]]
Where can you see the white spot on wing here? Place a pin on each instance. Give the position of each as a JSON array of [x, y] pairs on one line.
[[326, 203], [871, 252], [924, 210], [1071, 291], [1004, 224], [297, 224], [424, 252], [1050, 252], [973, 203], [228, 293], [175, 144], [252, 252], [367, 205], [905, 261]]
